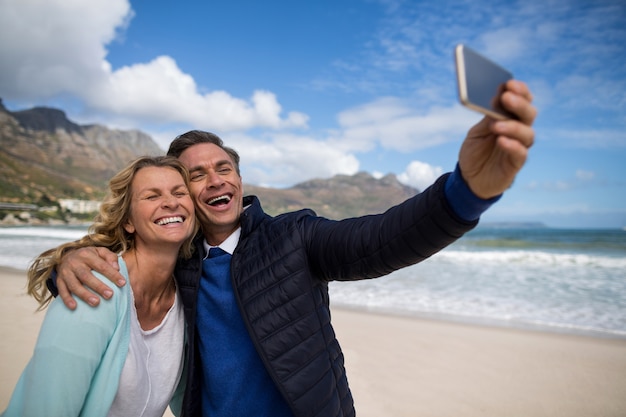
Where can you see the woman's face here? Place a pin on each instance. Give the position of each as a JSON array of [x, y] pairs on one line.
[[161, 208]]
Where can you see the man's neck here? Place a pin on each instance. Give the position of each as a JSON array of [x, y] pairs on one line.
[[228, 244]]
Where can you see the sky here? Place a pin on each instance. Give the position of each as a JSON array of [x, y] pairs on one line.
[[311, 89]]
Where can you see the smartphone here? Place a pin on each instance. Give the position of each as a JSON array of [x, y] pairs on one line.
[[480, 83]]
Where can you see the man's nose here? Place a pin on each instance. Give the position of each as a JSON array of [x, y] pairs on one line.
[[214, 179]]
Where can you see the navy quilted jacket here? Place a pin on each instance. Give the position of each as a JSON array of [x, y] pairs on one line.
[[280, 273]]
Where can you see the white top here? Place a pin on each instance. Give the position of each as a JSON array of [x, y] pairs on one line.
[[153, 366]]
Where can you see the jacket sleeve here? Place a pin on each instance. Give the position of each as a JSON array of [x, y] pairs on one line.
[[376, 245], [67, 354]]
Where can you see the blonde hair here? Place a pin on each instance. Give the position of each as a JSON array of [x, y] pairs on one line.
[[107, 229]]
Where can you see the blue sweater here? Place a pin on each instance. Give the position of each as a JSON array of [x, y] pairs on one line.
[[235, 382]]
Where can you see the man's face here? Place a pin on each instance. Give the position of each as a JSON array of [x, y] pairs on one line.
[[216, 188]]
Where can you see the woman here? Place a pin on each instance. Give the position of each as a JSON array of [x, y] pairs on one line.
[[126, 357]]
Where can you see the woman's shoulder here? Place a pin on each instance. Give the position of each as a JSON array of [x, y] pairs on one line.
[[118, 300]]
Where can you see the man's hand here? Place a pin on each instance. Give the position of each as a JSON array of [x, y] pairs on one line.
[[494, 151], [74, 275]]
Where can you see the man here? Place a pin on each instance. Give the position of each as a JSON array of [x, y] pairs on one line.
[[260, 336]]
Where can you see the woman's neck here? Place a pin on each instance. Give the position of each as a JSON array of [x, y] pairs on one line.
[[151, 276]]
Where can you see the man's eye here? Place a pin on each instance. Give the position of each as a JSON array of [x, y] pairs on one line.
[[197, 177]]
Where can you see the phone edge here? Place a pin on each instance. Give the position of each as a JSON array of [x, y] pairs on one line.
[[462, 86]]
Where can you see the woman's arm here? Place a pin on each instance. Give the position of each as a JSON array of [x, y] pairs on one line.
[[69, 352]]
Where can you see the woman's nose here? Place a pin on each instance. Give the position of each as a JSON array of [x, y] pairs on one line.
[[170, 201]]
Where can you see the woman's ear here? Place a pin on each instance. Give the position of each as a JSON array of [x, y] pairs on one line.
[[128, 226]]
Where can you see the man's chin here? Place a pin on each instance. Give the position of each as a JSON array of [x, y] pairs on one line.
[[219, 221]]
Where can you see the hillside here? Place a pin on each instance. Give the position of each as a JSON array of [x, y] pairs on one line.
[[45, 157], [338, 197]]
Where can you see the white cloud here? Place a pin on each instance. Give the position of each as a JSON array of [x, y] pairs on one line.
[[394, 124], [287, 159], [420, 175], [585, 175], [588, 138], [506, 44], [582, 179], [58, 47], [177, 100], [552, 186], [280, 159]]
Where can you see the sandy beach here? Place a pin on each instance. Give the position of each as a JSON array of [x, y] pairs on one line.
[[399, 366]]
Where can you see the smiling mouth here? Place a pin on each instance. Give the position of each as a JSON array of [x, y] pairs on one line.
[[219, 201], [170, 220]]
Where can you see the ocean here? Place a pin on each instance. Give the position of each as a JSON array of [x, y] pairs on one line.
[[555, 280]]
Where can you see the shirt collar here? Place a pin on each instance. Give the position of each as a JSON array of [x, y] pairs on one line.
[[228, 245]]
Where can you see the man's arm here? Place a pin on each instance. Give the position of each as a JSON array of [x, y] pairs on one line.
[[490, 158], [74, 276]]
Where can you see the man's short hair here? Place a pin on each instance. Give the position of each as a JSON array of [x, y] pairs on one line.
[[194, 137]]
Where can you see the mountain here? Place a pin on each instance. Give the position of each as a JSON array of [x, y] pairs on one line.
[[44, 157], [336, 198]]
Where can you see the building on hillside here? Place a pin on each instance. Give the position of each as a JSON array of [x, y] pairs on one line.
[[79, 206]]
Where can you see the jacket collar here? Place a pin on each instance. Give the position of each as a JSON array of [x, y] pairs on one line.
[[252, 216]]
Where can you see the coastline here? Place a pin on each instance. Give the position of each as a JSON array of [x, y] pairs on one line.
[[408, 366]]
